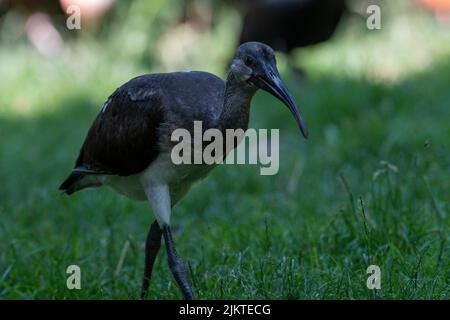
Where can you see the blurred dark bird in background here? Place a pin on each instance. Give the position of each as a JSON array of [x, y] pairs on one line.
[[284, 25], [289, 24]]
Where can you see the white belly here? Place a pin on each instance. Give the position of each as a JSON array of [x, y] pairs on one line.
[[161, 171]]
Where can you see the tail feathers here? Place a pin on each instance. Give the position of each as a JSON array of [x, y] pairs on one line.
[[81, 178], [72, 183]]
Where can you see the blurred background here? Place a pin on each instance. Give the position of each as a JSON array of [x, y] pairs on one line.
[[371, 185]]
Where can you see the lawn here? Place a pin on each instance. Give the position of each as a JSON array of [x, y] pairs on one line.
[[370, 187]]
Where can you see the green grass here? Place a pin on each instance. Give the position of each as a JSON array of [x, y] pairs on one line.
[[371, 185]]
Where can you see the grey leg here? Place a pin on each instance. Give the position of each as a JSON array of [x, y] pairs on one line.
[[152, 246], [177, 266]]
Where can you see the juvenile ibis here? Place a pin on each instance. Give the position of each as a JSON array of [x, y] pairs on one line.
[[129, 144]]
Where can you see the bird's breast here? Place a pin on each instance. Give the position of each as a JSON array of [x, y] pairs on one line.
[[179, 177]]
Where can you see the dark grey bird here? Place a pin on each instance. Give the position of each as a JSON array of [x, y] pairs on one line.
[[286, 25], [289, 24], [128, 147]]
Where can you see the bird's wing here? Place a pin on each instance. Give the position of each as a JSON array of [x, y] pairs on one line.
[[123, 139]]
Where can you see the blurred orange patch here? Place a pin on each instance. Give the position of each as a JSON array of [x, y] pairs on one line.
[[436, 5]]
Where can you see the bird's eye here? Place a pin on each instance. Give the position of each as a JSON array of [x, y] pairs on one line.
[[249, 61]]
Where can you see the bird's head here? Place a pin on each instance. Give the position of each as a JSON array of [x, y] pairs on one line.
[[254, 65]]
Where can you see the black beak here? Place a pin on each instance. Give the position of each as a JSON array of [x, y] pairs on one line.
[[271, 82]]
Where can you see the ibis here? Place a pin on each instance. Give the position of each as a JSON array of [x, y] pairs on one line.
[[287, 25], [128, 146]]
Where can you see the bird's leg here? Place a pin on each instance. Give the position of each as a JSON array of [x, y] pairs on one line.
[[177, 266], [152, 245]]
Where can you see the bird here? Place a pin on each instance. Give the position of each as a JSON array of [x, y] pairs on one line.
[[287, 25], [128, 145]]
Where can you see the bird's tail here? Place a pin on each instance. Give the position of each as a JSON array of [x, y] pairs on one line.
[[73, 182]]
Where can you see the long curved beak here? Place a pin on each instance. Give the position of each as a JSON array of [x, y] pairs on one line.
[[271, 82]]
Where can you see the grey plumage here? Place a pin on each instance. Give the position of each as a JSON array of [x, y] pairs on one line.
[[137, 120], [129, 144]]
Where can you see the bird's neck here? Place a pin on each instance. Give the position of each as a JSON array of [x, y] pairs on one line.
[[236, 108]]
